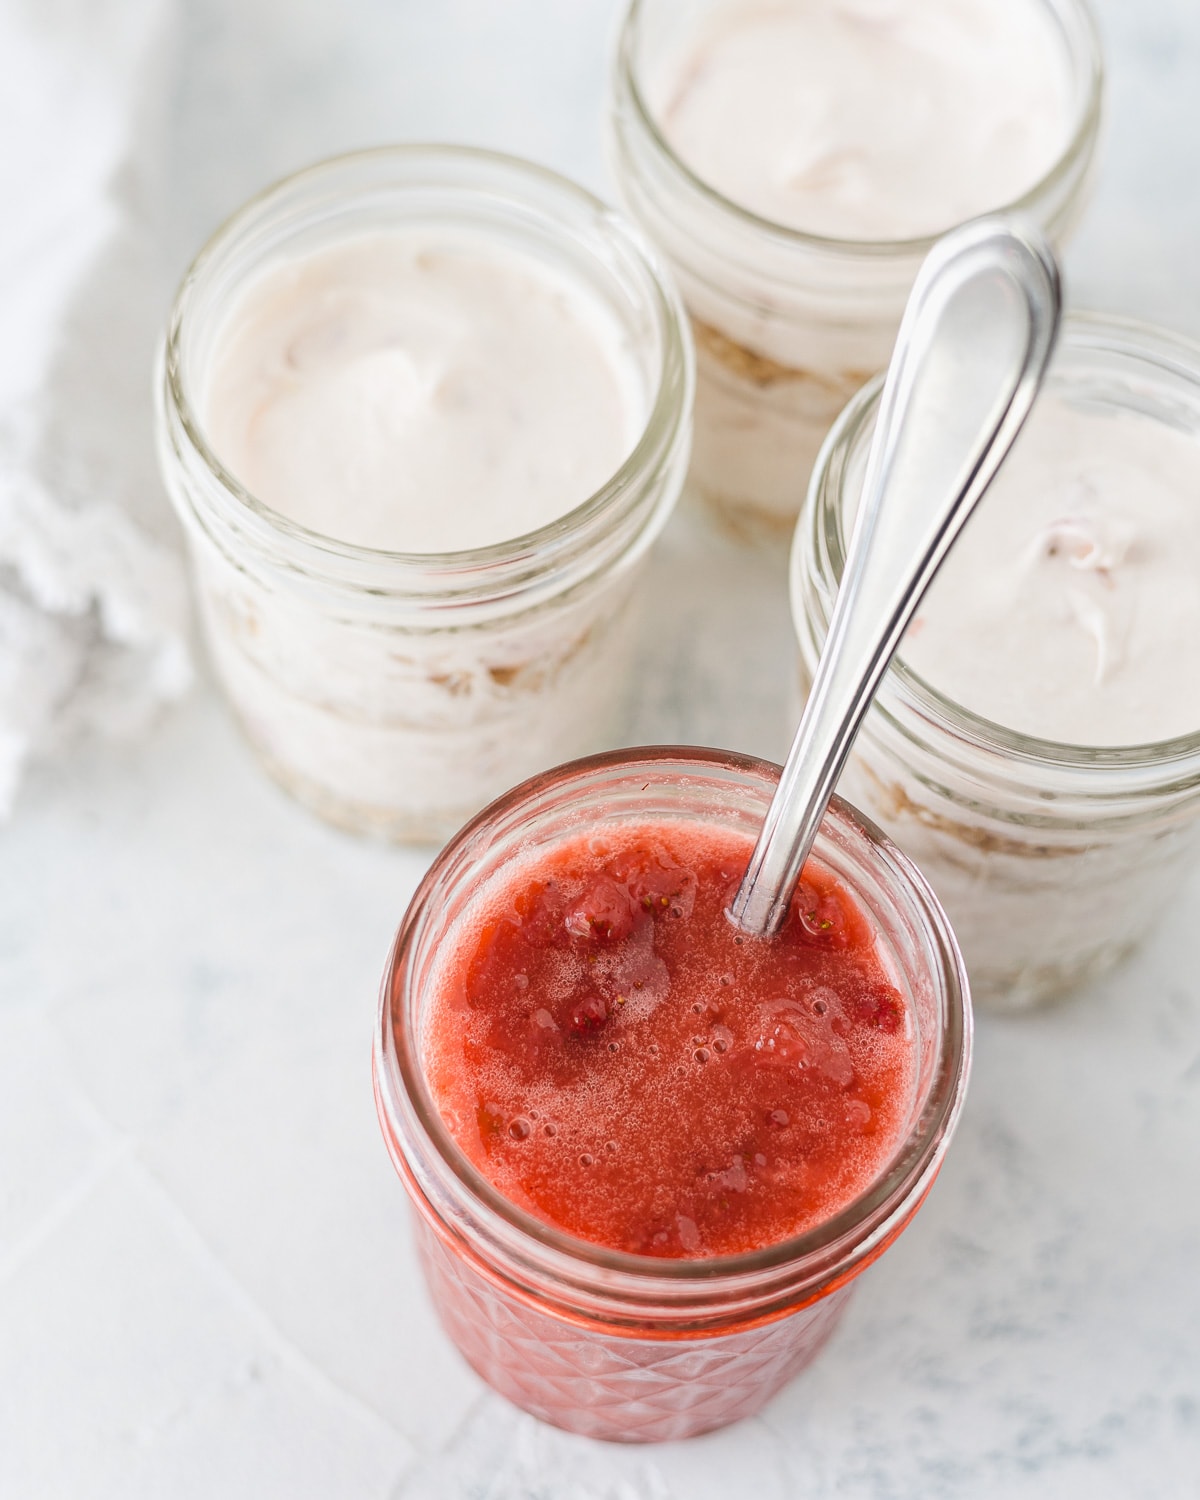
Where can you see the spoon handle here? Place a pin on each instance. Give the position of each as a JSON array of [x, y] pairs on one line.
[[970, 356]]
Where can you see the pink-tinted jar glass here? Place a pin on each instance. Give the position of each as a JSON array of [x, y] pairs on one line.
[[600, 1341]]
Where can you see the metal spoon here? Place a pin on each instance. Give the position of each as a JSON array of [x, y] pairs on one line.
[[969, 359]]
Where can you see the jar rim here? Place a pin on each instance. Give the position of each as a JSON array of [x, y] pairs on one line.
[[1087, 63], [1177, 758], [667, 417], [852, 1235]]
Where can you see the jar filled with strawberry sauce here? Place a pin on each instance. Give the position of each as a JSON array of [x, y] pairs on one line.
[[649, 1157]]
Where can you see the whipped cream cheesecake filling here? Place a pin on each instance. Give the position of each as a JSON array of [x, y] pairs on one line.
[[869, 119], [1069, 608], [422, 411], [421, 392]]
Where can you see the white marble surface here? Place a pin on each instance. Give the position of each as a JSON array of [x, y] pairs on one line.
[[206, 1282]]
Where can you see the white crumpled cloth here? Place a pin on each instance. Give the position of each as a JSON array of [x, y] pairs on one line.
[[92, 595]]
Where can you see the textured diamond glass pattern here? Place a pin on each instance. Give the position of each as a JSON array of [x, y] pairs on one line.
[[609, 1386]]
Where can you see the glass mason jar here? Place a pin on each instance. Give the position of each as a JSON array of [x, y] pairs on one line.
[[789, 325], [608, 1343], [396, 693], [1051, 860]]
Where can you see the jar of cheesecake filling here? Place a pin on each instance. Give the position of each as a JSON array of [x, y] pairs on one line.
[[794, 162], [1035, 745], [422, 411]]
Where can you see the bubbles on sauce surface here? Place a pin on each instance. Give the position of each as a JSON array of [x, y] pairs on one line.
[[750, 1124]]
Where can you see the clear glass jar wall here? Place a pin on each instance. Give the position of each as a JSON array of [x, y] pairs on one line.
[[1052, 861], [789, 325], [603, 1342], [397, 693]]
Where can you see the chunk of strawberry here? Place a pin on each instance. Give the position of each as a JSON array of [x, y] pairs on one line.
[[820, 917], [881, 1009], [657, 884], [604, 913], [538, 912], [587, 1016]]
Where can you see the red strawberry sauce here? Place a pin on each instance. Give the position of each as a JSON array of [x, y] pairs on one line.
[[619, 1061]]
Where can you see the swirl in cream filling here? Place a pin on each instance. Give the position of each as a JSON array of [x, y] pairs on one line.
[[868, 119], [422, 391], [1070, 606]]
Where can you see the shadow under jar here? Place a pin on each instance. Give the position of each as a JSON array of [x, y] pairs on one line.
[[788, 323], [393, 692], [628, 1346], [1052, 860]]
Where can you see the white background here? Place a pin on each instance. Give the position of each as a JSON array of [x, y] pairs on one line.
[[206, 1283]]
